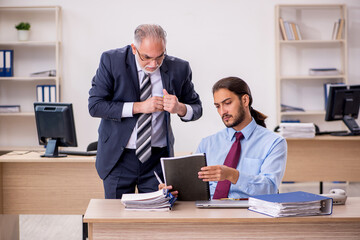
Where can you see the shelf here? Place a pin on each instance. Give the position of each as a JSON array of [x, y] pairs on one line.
[[311, 41], [312, 6], [19, 114], [294, 58], [306, 113], [27, 78], [29, 43], [311, 77]]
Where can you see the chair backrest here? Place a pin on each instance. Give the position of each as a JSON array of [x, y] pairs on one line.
[[92, 146]]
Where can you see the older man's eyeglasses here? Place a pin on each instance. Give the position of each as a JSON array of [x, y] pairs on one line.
[[146, 58]]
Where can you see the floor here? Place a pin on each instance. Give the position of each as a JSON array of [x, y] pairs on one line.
[[70, 227]]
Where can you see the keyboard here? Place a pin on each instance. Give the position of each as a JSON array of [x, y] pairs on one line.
[[78, 153], [330, 132]]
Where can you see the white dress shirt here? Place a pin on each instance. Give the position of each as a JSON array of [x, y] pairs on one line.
[[158, 132]]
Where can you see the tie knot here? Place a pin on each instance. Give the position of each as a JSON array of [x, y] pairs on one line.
[[145, 77], [239, 136]]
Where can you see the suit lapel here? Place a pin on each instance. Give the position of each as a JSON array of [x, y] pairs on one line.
[[165, 77], [133, 72]]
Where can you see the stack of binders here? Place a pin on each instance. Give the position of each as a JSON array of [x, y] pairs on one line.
[[46, 93]]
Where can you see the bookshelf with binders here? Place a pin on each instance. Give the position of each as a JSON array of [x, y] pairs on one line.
[[308, 57], [40, 54]]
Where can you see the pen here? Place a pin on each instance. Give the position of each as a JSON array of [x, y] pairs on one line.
[[158, 178]]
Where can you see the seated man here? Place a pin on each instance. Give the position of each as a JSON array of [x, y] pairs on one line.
[[245, 158]]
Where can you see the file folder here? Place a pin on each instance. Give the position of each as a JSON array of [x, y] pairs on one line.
[[2, 63], [46, 93], [291, 204], [39, 93], [52, 93], [9, 63]]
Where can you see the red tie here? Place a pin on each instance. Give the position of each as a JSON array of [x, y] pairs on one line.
[[231, 160]]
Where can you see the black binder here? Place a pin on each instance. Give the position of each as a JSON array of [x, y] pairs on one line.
[[182, 174]]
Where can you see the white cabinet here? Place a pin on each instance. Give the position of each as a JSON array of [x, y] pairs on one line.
[[316, 49], [40, 53]]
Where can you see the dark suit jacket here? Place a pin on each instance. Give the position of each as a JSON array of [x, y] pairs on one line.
[[116, 81]]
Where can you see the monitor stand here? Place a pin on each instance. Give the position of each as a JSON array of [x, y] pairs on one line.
[[52, 149], [352, 125]]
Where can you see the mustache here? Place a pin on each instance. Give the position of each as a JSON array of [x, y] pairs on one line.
[[226, 115]]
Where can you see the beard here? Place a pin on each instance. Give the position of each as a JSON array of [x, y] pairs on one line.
[[146, 66], [238, 118]]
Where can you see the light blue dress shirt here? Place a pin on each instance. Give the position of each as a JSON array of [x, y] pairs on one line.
[[262, 160]]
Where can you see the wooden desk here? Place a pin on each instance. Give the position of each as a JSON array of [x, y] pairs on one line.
[[323, 158], [30, 184], [107, 219]]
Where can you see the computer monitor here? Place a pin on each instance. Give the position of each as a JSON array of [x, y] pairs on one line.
[[55, 127], [343, 104]]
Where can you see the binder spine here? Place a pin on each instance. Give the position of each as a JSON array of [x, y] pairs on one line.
[[9, 63], [2, 63]]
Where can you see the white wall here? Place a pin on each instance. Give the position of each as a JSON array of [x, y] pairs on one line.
[[218, 37]]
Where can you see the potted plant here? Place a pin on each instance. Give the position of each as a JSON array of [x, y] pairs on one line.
[[23, 31]]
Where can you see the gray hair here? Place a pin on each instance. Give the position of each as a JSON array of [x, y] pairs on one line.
[[148, 30]]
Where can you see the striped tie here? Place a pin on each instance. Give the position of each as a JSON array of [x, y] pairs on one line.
[[143, 142]]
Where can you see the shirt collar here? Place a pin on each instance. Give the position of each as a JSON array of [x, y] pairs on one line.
[[246, 131]]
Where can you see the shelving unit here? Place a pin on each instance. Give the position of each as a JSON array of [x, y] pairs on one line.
[[294, 58], [40, 53]]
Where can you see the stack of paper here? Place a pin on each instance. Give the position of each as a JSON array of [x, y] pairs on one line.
[[297, 130], [161, 200], [291, 204]]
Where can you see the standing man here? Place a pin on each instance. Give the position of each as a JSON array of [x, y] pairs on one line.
[[245, 158], [133, 92]]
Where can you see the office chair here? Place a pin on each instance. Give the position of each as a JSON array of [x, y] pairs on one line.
[[92, 146]]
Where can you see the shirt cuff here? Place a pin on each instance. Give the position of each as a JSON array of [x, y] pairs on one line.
[[127, 110], [189, 113]]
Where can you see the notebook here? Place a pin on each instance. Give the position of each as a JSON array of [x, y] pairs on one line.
[[222, 204], [182, 174]]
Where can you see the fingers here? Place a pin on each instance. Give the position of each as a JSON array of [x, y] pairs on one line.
[[153, 104], [170, 102], [163, 186], [211, 173]]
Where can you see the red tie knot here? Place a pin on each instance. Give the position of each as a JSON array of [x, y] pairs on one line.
[[239, 136]]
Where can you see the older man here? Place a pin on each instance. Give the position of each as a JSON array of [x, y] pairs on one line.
[[134, 91]]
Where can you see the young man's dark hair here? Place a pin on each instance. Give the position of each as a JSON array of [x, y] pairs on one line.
[[239, 87]]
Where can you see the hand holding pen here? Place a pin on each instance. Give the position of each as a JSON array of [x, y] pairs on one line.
[[162, 186]]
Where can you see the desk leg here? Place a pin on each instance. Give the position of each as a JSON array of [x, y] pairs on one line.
[[1, 190], [321, 187], [90, 231]]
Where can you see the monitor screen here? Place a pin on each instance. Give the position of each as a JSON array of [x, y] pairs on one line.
[[55, 126], [343, 104]]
